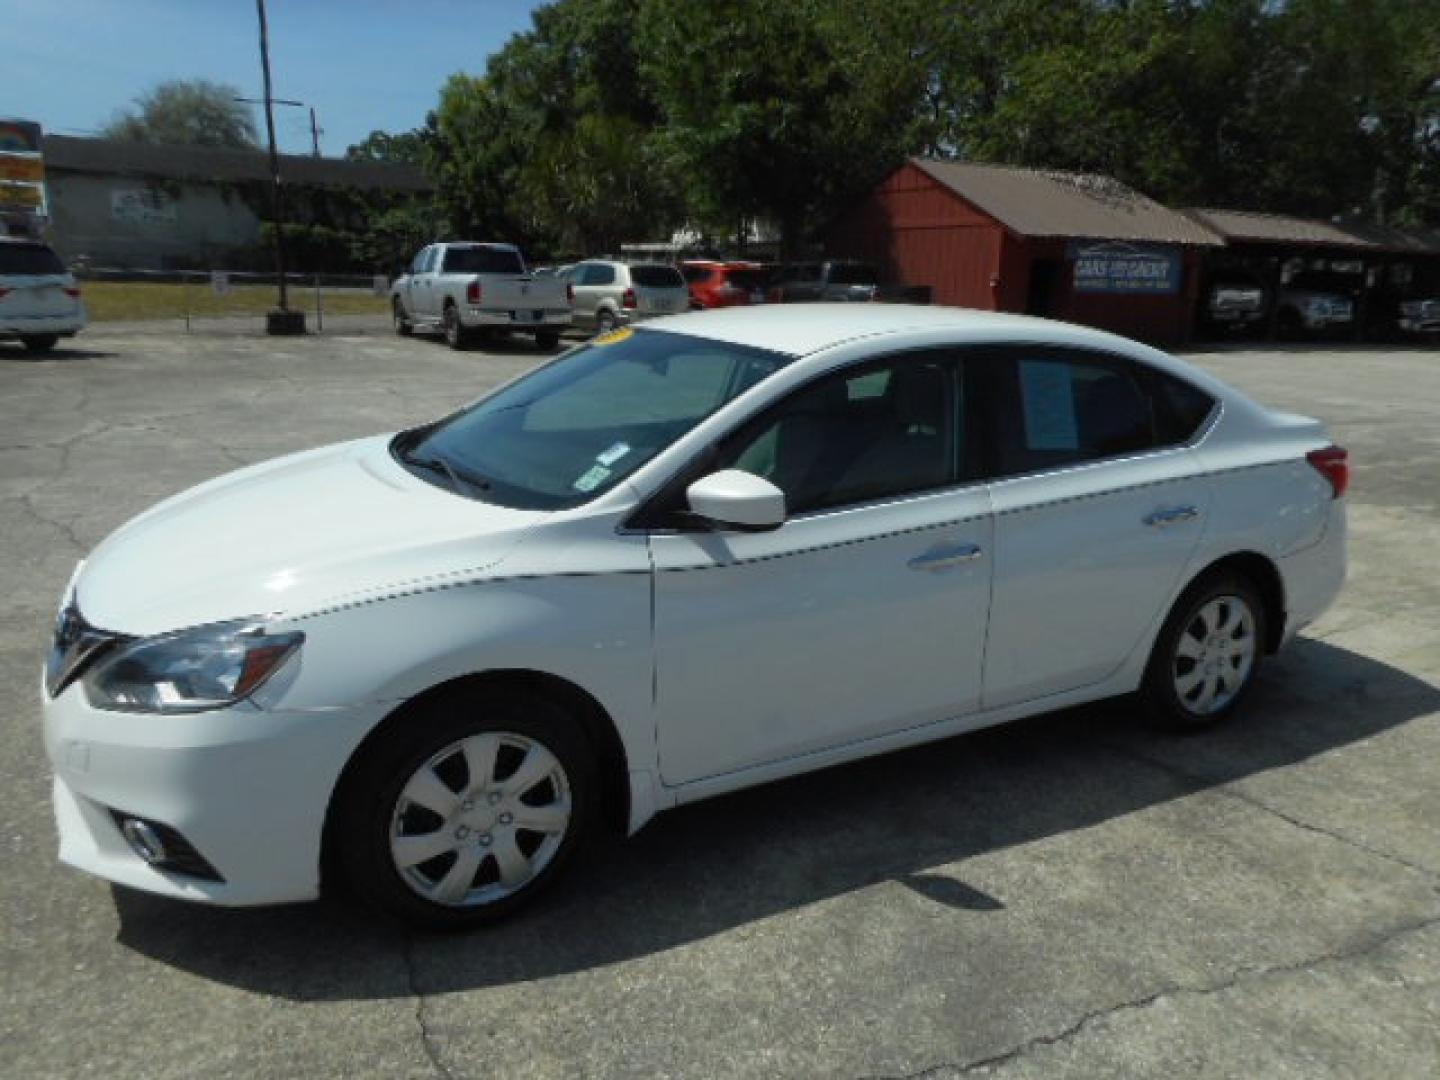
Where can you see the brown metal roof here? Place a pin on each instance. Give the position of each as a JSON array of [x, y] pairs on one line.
[[1248, 226], [1041, 203], [1252, 227], [171, 162]]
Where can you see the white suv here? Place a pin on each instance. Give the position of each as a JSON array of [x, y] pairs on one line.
[[39, 300], [609, 294]]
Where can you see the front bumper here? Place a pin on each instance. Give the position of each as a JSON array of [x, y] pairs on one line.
[[248, 788]]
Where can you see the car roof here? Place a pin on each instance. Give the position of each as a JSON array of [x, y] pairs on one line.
[[801, 329], [478, 243]]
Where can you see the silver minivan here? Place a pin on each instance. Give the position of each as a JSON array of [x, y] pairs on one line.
[[609, 293]]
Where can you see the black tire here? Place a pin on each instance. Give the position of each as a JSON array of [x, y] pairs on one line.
[[548, 340], [1169, 668], [456, 336], [605, 322], [403, 326], [369, 804], [38, 343]]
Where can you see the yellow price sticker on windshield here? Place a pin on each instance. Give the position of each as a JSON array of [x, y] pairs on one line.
[[614, 337]]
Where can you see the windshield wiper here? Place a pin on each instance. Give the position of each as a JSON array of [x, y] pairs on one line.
[[464, 482]]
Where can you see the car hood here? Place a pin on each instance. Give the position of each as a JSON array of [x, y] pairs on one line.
[[336, 525]]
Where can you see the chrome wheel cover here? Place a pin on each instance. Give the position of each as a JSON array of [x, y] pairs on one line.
[[1214, 655], [480, 820]]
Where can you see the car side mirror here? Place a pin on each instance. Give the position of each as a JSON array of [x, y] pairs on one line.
[[735, 499]]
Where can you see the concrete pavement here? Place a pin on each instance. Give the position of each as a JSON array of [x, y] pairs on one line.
[[1068, 895]]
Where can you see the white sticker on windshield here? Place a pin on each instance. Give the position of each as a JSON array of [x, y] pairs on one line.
[[614, 454], [592, 478], [1049, 403]]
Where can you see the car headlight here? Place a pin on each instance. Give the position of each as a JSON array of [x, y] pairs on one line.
[[208, 667]]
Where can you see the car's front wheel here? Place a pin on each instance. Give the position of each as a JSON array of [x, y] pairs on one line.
[[402, 321], [467, 809], [1206, 655]]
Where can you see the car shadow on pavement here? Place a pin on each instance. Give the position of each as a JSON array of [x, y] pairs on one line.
[[9, 351], [721, 864]]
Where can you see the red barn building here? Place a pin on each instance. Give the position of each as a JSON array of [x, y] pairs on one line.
[[1070, 246]]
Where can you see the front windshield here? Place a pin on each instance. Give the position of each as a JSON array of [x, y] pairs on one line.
[[577, 427]]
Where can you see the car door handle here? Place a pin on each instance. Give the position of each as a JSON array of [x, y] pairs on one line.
[[1172, 515], [945, 557]]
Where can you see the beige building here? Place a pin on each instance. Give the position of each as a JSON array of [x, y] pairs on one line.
[[151, 207]]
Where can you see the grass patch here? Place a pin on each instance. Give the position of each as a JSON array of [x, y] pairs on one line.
[[117, 301]]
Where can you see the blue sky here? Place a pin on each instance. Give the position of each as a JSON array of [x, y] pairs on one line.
[[363, 64]]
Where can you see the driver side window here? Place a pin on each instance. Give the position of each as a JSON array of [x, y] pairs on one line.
[[875, 432]]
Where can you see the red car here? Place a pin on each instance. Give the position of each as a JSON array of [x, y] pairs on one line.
[[723, 284]]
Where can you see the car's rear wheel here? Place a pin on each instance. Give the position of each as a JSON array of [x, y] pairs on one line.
[[466, 810], [1206, 655], [456, 336], [40, 342], [402, 323], [547, 339]]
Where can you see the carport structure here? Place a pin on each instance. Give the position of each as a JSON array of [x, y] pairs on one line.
[[1073, 246], [1291, 258]]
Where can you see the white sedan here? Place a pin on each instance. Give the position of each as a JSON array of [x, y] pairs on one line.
[[679, 560]]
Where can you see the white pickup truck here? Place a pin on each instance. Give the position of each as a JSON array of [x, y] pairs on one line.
[[469, 290]]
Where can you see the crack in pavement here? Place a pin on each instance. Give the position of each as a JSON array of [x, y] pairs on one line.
[[1236, 978], [428, 1042], [27, 500], [1225, 790]]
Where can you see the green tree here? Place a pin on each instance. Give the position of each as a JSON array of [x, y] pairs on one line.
[[193, 111], [779, 111], [391, 148]]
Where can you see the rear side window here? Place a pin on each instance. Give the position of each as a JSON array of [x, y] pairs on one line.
[[29, 259], [1056, 410], [695, 274], [482, 260], [1180, 409], [657, 277]]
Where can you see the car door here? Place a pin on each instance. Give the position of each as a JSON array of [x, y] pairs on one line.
[[1097, 513], [863, 614], [422, 284], [591, 281]]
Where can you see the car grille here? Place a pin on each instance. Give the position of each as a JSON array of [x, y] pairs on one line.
[[76, 644]]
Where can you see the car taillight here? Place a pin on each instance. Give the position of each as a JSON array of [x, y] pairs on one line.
[[1333, 463], [570, 291], [73, 291], [629, 300], [3, 291], [472, 293]]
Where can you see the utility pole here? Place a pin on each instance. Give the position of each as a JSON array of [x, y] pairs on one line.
[[283, 320], [315, 128]]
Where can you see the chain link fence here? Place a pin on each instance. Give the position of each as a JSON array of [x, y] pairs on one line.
[[190, 300]]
